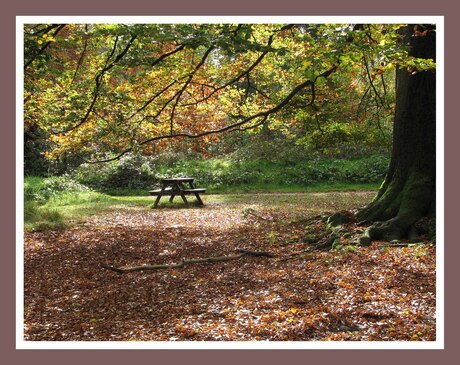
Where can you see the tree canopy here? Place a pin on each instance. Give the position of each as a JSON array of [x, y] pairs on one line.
[[100, 91]]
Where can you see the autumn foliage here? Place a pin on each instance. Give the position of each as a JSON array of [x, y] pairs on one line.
[[100, 91]]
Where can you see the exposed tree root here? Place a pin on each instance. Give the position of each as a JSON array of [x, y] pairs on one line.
[[242, 252], [342, 229]]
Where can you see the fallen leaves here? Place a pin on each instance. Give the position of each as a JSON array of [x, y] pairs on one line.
[[373, 293]]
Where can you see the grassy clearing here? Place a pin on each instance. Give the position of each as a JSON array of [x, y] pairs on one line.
[[47, 206], [259, 187]]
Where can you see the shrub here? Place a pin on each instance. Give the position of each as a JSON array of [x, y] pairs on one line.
[[130, 172], [58, 184], [40, 190]]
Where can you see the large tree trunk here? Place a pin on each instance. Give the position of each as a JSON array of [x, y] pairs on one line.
[[409, 191]]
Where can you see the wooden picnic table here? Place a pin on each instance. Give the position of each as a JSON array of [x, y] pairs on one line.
[[178, 186]]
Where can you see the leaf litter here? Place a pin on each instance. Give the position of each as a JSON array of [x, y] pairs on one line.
[[375, 293]]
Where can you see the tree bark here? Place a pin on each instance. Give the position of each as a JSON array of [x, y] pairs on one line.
[[409, 190]]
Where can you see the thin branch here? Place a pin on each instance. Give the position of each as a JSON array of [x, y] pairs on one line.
[[362, 100], [244, 73], [315, 108], [106, 121], [166, 55], [98, 80], [179, 93], [45, 46], [252, 126], [80, 59], [252, 86], [371, 81], [384, 85], [246, 94], [152, 99], [114, 48]]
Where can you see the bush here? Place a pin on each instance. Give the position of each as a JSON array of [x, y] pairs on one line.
[[130, 172], [320, 170], [44, 197], [40, 190], [58, 184]]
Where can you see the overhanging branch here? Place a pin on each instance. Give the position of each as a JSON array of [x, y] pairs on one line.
[[234, 126], [245, 73]]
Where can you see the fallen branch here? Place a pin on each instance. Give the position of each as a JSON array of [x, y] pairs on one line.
[[249, 211], [297, 255], [242, 252]]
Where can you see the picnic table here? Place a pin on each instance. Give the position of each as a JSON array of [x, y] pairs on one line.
[[179, 186]]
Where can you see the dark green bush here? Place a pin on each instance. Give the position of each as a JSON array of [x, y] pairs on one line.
[[130, 172]]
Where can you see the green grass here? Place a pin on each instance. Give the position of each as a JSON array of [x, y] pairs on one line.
[[47, 209], [59, 213], [33, 183], [279, 188]]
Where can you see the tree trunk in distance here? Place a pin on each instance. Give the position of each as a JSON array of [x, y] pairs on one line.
[[409, 190]]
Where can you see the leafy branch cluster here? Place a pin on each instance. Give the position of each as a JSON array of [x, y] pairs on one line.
[[101, 91]]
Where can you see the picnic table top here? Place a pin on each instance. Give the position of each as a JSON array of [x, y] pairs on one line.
[[177, 179]]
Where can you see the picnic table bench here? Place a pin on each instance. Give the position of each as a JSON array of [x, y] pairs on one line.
[[173, 187]]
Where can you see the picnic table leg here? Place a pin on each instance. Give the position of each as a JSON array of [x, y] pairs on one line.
[[184, 199], [157, 200], [192, 186], [171, 198], [159, 196], [199, 199]]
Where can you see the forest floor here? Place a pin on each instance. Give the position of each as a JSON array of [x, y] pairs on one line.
[[374, 293]]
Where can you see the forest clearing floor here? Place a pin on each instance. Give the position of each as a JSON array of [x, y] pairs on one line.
[[374, 293]]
